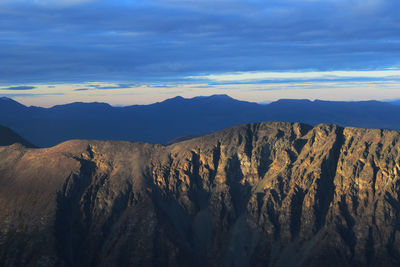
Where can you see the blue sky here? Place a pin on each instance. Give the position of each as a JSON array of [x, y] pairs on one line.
[[128, 52]]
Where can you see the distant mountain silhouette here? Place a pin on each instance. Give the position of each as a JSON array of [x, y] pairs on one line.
[[9, 137], [176, 117], [395, 102]]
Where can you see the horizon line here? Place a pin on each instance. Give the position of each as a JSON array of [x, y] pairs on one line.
[[390, 101]]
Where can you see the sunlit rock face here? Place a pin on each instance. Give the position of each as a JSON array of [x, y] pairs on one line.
[[268, 194]]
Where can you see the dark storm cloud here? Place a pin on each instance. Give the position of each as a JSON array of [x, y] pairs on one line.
[[165, 40]]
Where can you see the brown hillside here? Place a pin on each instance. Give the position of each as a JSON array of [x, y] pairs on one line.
[[268, 194]]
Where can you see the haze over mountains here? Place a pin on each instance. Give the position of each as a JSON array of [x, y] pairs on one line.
[[177, 117], [268, 194]]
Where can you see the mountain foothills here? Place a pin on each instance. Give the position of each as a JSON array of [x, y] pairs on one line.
[[265, 194], [177, 117]]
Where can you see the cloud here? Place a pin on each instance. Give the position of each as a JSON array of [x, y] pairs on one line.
[[300, 75], [47, 3], [31, 95], [20, 88], [364, 7], [160, 40], [117, 86]]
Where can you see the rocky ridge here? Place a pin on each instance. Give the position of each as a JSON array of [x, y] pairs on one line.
[[267, 194]]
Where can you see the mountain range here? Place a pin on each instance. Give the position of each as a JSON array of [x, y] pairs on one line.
[[264, 194], [179, 118]]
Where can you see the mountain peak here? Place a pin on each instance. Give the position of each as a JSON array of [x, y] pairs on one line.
[[291, 101], [173, 100], [304, 189], [6, 101], [82, 105], [221, 97], [217, 97]]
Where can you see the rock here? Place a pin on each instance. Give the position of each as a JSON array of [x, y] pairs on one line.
[[267, 194]]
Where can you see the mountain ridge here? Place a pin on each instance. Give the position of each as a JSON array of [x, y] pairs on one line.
[[264, 194], [9, 137], [165, 121]]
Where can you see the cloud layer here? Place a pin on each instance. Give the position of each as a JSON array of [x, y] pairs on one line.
[[304, 75], [128, 42], [19, 88], [47, 3]]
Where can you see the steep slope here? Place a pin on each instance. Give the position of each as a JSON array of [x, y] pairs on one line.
[[268, 194], [178, 117], [9, 137]]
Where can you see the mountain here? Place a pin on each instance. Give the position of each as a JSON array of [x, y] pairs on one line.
[[9, 137], [178, 117], [267, 194], [395, 102]]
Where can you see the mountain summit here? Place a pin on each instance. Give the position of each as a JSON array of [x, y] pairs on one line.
[[267, 194]]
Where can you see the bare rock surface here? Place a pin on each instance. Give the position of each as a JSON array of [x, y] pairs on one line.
[[267, 194]]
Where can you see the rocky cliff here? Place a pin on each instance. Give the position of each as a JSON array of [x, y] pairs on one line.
[[268, 194]]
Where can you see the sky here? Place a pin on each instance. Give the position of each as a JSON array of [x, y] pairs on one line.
[[127, 52]]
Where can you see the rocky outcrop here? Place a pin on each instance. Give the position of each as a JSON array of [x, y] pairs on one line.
[[268, 194]]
